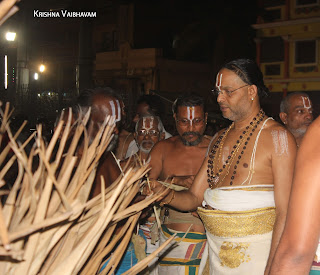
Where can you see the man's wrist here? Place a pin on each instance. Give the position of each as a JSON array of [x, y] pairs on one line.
[[163, 203]]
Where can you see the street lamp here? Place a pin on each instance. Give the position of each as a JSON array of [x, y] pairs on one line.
[[42, 68], [9, 60], [10, 36]]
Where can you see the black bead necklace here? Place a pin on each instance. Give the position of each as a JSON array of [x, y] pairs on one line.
[[215, 176]]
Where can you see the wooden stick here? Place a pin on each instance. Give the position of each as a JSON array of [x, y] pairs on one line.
[[144, 263], [3, 231]]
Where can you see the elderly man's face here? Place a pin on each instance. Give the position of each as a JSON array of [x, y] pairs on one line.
[[191, 124], [102, 107], [147, 134], [299, 115]]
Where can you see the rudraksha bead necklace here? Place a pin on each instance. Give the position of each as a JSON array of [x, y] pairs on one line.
[[215, 176]]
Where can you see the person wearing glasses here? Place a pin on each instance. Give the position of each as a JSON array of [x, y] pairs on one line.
[[177, 160], [146, 105], [242, 189], [148, 131]]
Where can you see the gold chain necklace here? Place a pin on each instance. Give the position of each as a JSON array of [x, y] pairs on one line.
[[216, 177]]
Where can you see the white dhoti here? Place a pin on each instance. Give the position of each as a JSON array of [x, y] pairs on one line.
[[239, 229]]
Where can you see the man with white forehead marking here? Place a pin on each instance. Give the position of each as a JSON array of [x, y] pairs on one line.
[[147, 105], [296, 114], [178, 160], [103, 102], [242, 189], [149, 131]]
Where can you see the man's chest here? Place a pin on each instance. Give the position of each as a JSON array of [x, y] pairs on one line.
[[182, 163]]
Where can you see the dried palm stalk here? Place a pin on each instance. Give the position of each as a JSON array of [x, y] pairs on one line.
[[7, 9], [48, 223], [173, 186]]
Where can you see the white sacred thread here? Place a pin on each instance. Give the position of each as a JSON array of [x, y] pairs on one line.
[[113, 109], [306, 100], [280, 142], [190, 114], [218, 83], [144, 124]]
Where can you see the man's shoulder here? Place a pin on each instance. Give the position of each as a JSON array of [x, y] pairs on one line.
[[206, 140], [165, 143], [274, 131], [273, 127], [108, 162]]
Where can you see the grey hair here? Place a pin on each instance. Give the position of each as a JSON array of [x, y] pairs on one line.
[[160, 125], [285, 102]]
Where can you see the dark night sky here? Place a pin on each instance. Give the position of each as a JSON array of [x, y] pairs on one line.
[[211, 32], [205, 31], [190, 30]]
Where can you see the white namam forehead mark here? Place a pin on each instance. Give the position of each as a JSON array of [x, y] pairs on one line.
[[306, 102], [218, 81], [280, 142], [115, 109], [190, 114], [145, 123]]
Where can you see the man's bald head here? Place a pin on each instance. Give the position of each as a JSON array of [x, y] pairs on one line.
[[296, 113], [103, 102]]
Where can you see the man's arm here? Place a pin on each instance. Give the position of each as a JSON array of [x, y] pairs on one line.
[[109, 170], [300, 238], [156, 158], [189, 200], [282, 160]]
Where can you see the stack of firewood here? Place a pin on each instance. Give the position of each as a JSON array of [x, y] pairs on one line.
[[48, 224]]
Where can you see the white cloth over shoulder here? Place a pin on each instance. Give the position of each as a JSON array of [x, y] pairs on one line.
[[239, 198]]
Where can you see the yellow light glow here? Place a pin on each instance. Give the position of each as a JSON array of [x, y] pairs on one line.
[[42, 68]]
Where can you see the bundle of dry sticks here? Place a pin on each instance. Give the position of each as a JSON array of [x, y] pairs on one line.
[[48, 224]]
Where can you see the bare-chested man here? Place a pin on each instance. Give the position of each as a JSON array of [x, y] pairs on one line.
[[179, 158], [103, 102], [296, 114], [299, 244], [244, 182], [149, 131]]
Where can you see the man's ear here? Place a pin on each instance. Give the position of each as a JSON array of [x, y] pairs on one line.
[[162, 136], [206, 117], [174, 116], [253, 91], [135, 135], [284, 117]]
